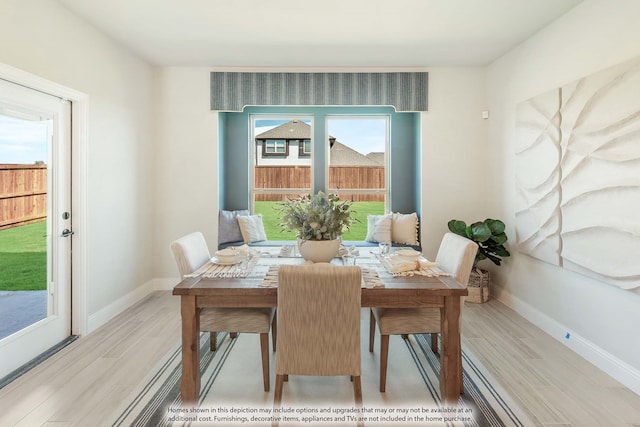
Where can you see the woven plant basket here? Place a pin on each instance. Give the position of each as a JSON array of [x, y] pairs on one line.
[[478, 286]]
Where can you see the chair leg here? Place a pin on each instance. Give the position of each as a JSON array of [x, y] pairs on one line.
[[274, 331], [264, 348], [357, 392], [277, 400], [372, 329], [233, 335], [434, 342], [213, 339], [384, 356]]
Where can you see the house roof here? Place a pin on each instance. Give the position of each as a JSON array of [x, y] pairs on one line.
[[377, 157], [341, 155], [295, 129]]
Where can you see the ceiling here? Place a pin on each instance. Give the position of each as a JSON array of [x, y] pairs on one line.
[[327, 33]]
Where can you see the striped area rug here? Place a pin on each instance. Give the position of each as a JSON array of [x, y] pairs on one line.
[[232, 392]]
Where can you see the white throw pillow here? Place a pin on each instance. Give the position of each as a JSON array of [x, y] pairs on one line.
[[252, 228], [378, 228], [404, 228]]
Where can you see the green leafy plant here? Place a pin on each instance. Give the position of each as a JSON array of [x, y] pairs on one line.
[[318, 217], [488, 234]]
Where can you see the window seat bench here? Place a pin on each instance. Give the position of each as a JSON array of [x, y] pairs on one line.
[[347, 243]]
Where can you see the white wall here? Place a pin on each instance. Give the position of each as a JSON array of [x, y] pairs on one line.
[[454, 159], [43, 38], [602, 319], [187, 160], [454, 143]]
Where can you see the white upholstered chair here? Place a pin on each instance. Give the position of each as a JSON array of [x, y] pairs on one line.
[[318, 324], [191, 253], [456, 256]]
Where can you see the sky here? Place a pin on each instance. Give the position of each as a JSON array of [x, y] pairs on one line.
[[22, 141], [25, 141], [363, 135]]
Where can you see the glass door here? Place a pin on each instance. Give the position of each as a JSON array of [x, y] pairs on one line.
[[35, 224]]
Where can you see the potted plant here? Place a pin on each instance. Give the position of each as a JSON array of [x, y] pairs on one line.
[[488, 234], [490, 237], [318, 222]]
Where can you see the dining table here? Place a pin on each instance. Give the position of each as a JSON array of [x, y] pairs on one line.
[[253, 284]]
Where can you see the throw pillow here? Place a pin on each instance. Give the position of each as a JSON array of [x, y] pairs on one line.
[[228, 228], [378, 228], [404, 228], [252, 228]]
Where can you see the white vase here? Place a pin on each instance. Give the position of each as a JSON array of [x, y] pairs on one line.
[[318, 250]]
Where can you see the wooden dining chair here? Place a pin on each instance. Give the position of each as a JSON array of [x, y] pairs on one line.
[[319, 325], [191, 252], [456, 256]]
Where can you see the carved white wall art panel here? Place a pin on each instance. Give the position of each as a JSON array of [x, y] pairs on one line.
[[583, 212], [538, 155]]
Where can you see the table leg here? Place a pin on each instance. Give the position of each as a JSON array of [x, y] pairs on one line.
[[450, 369], [190, 384]]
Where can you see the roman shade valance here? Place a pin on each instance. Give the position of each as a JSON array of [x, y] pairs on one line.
[[232, 91]]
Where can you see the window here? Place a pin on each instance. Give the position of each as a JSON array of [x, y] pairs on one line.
[[358, 165], [381, 173], [278, 147], [358, 158], [279, 173], [304, 148]]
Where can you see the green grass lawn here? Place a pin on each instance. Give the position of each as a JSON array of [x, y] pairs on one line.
[[358, 231], [23, 258]]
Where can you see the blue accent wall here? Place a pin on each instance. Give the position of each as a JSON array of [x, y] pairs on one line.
[[234, 161], [404, 153], [404, 161]]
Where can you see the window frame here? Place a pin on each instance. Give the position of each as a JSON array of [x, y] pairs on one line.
[[253, 191], [385, 192], [405, 152]]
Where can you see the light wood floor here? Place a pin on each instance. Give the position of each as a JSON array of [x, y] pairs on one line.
[[86, 381]]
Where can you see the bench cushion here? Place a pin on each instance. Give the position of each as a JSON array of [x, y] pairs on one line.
[[347, 243]]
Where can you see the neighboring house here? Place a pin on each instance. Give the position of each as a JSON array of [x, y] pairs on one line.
[[377, 157], [290, 145], [341, 155]]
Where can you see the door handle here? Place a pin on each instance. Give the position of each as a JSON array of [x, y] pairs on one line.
[[66, 233]]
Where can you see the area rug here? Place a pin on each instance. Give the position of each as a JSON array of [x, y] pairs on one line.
[[232, 392]]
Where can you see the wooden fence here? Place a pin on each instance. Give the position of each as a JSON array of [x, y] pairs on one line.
[[23, 194], [340, 177]]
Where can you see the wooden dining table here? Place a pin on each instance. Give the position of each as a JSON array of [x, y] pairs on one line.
[[442, 292]]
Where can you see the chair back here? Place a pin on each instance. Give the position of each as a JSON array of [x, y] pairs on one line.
[[456, 256], [190, 252], [318, 320]]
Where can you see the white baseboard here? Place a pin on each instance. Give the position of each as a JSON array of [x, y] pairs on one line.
[[616, 368], [112, 310], [166, 283]]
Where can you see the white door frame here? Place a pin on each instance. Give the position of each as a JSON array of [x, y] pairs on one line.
[[79, 112]]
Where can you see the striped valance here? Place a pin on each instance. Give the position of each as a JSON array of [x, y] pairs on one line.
[[232, 91]]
